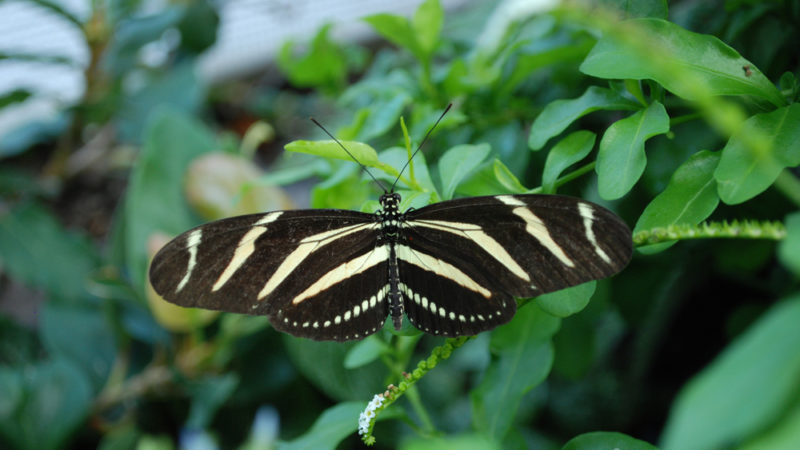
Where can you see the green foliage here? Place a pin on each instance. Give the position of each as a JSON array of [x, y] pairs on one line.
[[706, 415], [689, 198], [656, 114]]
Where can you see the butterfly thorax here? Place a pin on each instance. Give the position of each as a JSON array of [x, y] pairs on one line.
[[389, 215]]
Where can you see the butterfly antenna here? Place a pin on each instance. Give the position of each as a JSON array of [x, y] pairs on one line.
[[420, 145], [363, 167]]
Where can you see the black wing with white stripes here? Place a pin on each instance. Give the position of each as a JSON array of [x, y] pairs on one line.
[[464, 261], [313, 273], [454, 268]]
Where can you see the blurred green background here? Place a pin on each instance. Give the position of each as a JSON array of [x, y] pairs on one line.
[[681, 117]]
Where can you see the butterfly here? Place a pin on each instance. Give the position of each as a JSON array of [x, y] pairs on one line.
[[452, 268]]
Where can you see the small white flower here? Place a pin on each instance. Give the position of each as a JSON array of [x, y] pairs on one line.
[[368, 414]]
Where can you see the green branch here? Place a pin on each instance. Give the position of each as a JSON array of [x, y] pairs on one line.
[[748, 229], [382, 401]]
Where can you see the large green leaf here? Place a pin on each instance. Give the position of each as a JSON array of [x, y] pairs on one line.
[[621, 159], [524, 357], [690, 197], [361, 152], [558, 115], [155, 200], [745, 390], [754, 156], [691, 65]]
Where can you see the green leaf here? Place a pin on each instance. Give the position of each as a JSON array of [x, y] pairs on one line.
[[36, 250], [567, 302], [507, 179], [785, 434], [754, 156], [567, 152], [324, 66], [397, 30], [332, 426], [689, 198], [466, 441], [558, 115], [621, 159], [789, 248], [427, 24], [457, 163], [744, 390], [329, 148], [155, 199], [604, 440], [383, 115], [524, 357], [690, 65], [365, 352], [42, 405]]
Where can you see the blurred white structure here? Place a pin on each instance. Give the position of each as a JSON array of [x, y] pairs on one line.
[[250, 34]]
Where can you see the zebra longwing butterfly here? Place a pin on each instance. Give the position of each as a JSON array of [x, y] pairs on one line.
[[453, 268]]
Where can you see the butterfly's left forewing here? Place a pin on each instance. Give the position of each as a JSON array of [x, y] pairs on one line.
[[314, 273]]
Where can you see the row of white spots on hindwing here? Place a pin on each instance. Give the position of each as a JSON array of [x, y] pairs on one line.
[[440, 268], [245, 248], [587, 212], [438, 310], [536, 228], [478, 236], [340, 319], [192, 242], [303, 250]]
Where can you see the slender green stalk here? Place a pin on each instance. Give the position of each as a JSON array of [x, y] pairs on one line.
[[748, 229], [382, 401]]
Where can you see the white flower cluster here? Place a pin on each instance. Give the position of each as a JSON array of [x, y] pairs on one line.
[[368, 414]]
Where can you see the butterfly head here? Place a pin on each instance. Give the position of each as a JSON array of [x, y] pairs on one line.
[[390, 202]]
